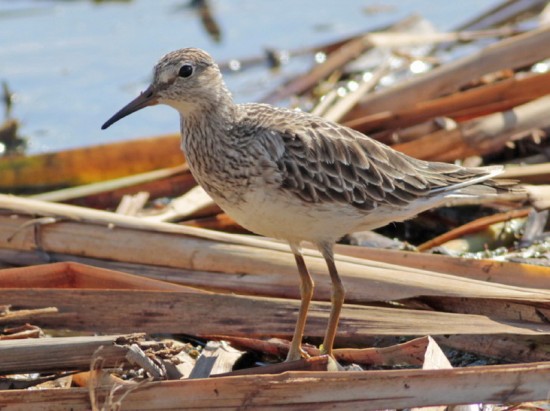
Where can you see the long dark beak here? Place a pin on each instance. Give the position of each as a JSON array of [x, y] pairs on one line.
[[145, 99]]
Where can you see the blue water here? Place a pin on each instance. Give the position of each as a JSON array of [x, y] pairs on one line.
[[72, 64]]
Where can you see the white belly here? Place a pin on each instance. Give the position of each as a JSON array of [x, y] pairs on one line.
[[284, 216], [277, 214]]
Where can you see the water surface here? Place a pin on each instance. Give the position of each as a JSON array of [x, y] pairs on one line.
[[72, 64]]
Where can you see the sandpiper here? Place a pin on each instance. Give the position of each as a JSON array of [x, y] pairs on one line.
[[294, 176]]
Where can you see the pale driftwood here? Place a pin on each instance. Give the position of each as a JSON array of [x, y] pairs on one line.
[[59, 354], [504, 272], [132, 204], [518, 350], [105, 218], [389, 39], [514, 52], [513, 91], [137, 357], [521, 275], [192, 202], [9, 316], [348, 51], [510, 273], [368, 390], [483, 135], [217, 357], [539, 196], [366, 281], [121, 311], [62, 212], [111, 185], [529, 174], [510, 311], [434, 359], [21, 332]]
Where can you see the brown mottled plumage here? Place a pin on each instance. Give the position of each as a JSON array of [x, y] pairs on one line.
[[292, 175]]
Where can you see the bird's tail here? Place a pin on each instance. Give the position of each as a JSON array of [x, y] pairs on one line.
[[485, 184]]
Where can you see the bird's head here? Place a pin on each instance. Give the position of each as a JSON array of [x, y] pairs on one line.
[[186, 79]]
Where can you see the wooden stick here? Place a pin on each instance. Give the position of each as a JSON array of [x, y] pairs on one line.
[[192, 202], [480, 136], [88, 165], [506, 309], [522, 275], [366, 281], [127, 311], [335, 60], [511, 311], [368, 390], [60, 354], [389, 39], [137, 182], [216, 358], [503, 272], [10, 317], [511, 92], [514, 52], [529, 174]]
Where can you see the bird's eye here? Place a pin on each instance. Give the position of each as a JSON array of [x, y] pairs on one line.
[[185, 71]]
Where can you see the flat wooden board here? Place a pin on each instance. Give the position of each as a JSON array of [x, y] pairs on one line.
[[368, 390]]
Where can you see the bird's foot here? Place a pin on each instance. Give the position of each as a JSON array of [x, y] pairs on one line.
[[296, 354], [332, 365]]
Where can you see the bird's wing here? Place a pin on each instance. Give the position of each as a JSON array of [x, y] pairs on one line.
[[324, 161]]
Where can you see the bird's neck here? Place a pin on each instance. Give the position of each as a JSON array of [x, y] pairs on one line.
[[207, 126], [216, 104], [207, 136]]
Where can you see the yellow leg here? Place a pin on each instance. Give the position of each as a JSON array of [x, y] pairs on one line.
[[306, 293], [337, 298]]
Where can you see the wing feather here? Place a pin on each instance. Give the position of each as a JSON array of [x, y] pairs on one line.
[[324, 161]]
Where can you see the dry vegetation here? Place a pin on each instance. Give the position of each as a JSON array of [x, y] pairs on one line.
[[144, 307]]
